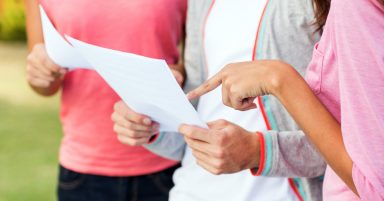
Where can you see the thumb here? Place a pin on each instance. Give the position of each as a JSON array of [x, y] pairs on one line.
[[178, 76], [218, 124]]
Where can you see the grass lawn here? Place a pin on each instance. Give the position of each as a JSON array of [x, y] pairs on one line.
[[29, 133]]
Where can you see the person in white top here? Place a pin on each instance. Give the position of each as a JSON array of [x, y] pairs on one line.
[[230, 34]]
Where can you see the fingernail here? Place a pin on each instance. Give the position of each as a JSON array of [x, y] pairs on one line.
[[147, 121]]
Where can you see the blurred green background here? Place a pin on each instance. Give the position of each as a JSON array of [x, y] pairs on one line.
[[29, 126]]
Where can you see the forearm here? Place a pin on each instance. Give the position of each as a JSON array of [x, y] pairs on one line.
[[33, 23], [317, 123]]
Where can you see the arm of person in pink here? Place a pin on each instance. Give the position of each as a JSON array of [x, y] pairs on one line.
[[359, 44], [353, 150]]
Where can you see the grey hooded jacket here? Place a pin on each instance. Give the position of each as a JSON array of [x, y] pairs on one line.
[[286, 33]]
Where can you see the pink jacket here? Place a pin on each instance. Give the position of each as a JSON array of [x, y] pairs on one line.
[[347, 74]]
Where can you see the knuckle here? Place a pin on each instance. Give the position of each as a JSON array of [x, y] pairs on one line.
[[230, 65], [215, 171], [241, 108], [220, 153], [227, 69], [232, 129], [134, 143], [221, 140], [125, 124], [189, 142], [222, 122], [116, 128], [137, 142], [125, 140], [51, 66], [113, 117], [131, 143], [116, 106], [30, 70], [130, 134], [48, 65], [206, 86], [226, 102], [238, 107], [136, 134], [30, 58], [122, 139], [135, 117], [224, 73], [220, 165], [128, 115], [194, 154], [129, 126], [29, 78], [187, 131], [232, 90]]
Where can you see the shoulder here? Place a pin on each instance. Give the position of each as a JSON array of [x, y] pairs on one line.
[[357, 16], [357, 7]]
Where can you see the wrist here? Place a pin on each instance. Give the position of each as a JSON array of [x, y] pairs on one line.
[[153, 138], [281, 78], [260, 167], [254, 147]]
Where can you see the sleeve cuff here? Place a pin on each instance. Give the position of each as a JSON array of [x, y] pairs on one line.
[[257, 171], [154, 138]]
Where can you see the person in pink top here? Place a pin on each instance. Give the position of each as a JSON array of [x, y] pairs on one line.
[[340, 106], [94, 165]]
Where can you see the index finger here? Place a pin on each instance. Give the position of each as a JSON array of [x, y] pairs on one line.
[[123, 109], [206, 87]]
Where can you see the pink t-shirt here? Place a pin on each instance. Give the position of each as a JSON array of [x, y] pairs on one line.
[[347, 74], [151, 28]]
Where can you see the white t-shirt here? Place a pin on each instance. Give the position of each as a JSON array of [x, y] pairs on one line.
[[230, 34]]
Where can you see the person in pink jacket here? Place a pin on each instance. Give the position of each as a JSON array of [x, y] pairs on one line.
[[340, 106]]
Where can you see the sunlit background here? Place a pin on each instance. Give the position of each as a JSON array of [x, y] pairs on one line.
[[29, 125]]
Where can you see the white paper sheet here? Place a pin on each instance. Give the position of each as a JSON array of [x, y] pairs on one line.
[[59, 50], [147, 85]]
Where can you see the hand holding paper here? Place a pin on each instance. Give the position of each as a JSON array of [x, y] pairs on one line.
[[42, 73], [132, 128]]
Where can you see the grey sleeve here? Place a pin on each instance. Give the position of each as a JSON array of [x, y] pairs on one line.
[[290, 154], [168, 145]]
